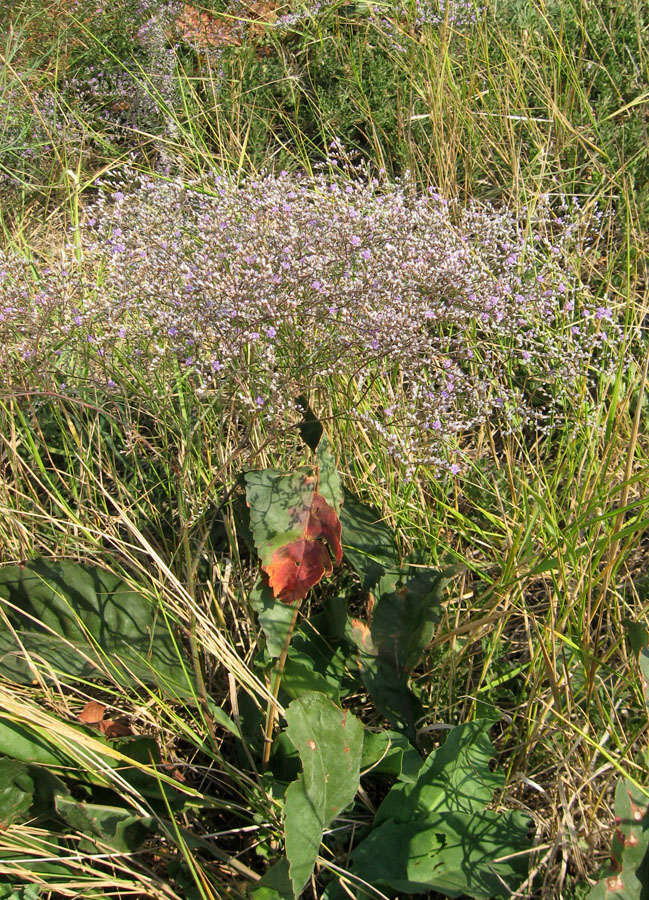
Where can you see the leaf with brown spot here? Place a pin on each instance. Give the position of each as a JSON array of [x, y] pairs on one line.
[[293, 524]]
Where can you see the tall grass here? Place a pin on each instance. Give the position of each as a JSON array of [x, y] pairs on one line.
[[530, 101]]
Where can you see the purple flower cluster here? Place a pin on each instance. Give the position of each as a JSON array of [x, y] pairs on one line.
[[304, 13], [415, 316], [425, 12], [46, 120], [457, 13], [408, 19]]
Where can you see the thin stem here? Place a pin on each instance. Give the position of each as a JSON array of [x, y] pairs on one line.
[[271, 710]]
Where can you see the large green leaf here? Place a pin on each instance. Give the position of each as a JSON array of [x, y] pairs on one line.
[[330, 744], [84, 622], [300, 675], [16, 792], [113, 826], [368, 543], [22, 743], [436, 834], [25, 745], [391, 644], [455, 778], [456, 855]]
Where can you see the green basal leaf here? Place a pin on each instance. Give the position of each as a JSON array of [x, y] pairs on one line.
[[391, 644], [435, 833], [455, 778], [16, 792], [84, 622], [456, 855], [390, 753], [19, 742], [300, 676], [112, 826], [627, 877], [368, 543], [330, 743]]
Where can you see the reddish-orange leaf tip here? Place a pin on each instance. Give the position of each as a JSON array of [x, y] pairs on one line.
[[296, 567]]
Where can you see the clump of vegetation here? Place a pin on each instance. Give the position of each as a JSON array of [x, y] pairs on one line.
[[323, 457], [424, 318]]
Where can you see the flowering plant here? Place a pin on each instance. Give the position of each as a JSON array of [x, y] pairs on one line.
[[423, 317]]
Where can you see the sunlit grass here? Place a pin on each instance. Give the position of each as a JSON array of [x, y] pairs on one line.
[[549, 531]]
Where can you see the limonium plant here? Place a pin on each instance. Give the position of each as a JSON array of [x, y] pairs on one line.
[[421, 317]]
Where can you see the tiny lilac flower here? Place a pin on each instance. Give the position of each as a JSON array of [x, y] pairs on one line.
[[271, 332]]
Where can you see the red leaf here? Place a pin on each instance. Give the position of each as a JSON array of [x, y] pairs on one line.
[[296, 567], [322, 521], [93, 714]]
